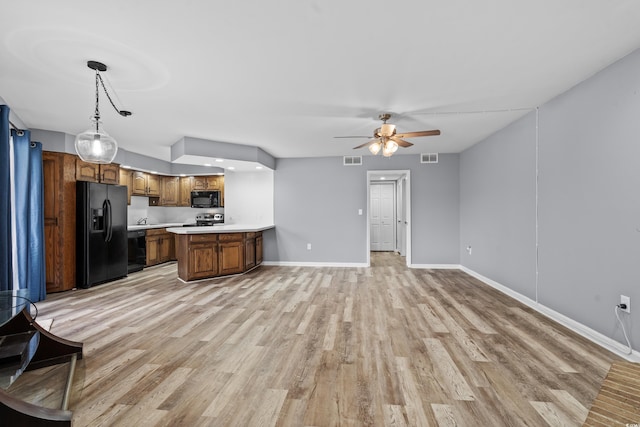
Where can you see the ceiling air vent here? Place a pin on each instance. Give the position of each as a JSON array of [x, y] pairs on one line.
[[352, 160], [429, 158]]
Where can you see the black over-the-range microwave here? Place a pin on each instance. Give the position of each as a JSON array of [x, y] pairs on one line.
[[205, 199]]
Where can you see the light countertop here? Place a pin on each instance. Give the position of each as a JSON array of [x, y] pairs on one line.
[[226, 228], [149, 226]]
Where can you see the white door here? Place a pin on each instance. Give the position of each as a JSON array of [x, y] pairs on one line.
[[382, 220], [401, 219]]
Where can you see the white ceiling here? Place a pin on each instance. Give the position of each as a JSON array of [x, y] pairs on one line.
[[289, 75]]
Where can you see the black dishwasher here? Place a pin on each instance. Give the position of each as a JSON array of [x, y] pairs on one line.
[[137, 250]]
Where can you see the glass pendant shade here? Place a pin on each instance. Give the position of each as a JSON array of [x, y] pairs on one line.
[[389, 148], [387, 129], [95, 145], [375, 147]]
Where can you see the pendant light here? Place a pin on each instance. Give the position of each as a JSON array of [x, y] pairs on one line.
[[95, 145]]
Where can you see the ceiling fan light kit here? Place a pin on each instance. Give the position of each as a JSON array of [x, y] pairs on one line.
[[95, 145], [389, 147], [387, 140]]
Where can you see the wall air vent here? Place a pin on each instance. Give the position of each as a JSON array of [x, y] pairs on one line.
[[352, 160], [429, 158]]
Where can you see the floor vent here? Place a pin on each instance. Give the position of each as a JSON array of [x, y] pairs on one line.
[[429, 158], [352, 160]]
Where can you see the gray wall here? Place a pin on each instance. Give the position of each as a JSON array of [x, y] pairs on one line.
[[589, 198], [317, 202], [498, 206], [588, 201]]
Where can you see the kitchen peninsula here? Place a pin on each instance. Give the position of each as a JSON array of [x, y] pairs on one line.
[[220, 250]]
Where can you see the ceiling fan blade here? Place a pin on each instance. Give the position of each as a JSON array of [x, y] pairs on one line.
[[416, 134], [365, 144], [357, 136], [401, 142]]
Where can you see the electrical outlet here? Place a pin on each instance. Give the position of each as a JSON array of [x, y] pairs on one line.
[[627, 301], [308, 246]]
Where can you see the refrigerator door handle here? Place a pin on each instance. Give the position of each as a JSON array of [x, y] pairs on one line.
[[109, 222], [105, 221]]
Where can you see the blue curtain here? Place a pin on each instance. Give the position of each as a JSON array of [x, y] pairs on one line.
[[5, 202], [28, 201], [29, 214]]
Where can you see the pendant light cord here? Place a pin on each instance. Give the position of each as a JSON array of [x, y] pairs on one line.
[[121, 112], [96, 115]]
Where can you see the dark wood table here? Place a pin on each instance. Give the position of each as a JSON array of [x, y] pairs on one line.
[[25, 345]]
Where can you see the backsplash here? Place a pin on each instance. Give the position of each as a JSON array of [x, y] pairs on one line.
[[140, 208]]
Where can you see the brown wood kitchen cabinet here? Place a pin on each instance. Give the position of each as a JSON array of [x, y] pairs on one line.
[[59, 170], [231, 247], [126, 178], [249, 250], [186, 183], [199, 253], [202, 256], [107, 174], [160, 246], [259, 257], [139, 184], [210, 182], [145, 184], [170, 194]]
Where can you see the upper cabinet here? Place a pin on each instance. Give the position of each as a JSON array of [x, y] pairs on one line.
[[186, 184], [145, 184], [165, 190], [170, 193], [108, 174], [206, 182], [126, 178]]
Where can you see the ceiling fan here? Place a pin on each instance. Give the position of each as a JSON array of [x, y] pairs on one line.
[[386, 138]]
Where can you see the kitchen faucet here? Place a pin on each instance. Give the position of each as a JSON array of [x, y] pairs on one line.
[[142, 221]]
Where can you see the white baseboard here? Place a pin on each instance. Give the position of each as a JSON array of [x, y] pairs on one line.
[[437, 266], [313, 264], [577, 327]]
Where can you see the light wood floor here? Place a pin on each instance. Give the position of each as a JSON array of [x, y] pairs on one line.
[[300, 346]]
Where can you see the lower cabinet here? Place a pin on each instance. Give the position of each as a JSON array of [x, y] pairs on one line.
[[160, 246], [231, 253], [259, 257], [249, 250], [202, 256]]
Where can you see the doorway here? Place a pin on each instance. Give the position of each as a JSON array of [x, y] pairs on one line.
[[382, 216], [388, 216]]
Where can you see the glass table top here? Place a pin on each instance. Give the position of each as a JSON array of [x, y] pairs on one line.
[[63, 375], [12, 303], [16, 350]]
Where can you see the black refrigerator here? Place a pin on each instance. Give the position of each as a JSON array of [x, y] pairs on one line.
[[101, 235]]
